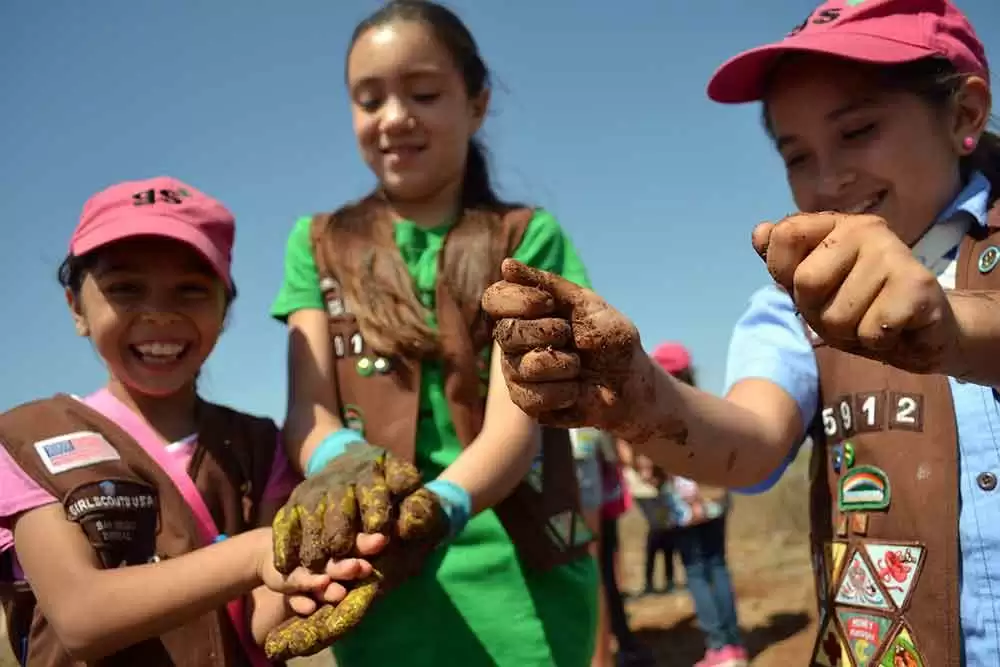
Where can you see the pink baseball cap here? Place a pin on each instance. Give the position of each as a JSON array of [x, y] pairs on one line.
[[160, 206], [672, 357], [883, 32]]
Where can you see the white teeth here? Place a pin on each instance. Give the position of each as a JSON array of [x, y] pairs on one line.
[[863, 206], [160, 350]]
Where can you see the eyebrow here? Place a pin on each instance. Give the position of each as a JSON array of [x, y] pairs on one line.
[[836, 114], [418, 72]]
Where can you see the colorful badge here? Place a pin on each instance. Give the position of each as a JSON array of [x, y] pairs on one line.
[[897, 567], [837, 552], [859, 587], [864, 488], [829, 651], [354, 418], [902, 651], [75, 450], [865, 633], [859, 523]]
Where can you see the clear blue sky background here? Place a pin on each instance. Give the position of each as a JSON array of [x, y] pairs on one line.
[[600, 116]]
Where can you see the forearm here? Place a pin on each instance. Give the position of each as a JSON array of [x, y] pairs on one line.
[[494, 463], [113, 609], [305, 428], [704, 437], [976, 355]]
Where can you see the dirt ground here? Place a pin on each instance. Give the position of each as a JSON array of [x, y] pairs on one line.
[[769, 562]]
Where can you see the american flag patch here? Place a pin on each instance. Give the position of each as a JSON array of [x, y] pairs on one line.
[[75, 450]]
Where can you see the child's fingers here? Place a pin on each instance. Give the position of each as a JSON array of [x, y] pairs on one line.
[[347, 569], [333, 593], [302, 605], [302, 579], [369, 544]]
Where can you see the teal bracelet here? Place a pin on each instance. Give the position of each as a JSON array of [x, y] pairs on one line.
[[455, 501], [332, 446]]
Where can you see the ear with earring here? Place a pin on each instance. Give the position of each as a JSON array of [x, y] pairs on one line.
[[969, 144]]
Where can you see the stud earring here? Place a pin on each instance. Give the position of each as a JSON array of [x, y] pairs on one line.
[[969, 144]]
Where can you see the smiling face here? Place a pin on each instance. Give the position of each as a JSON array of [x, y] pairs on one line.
[[852, 145], [153, 309], [413, 115]]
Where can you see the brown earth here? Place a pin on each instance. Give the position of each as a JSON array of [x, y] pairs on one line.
[[769, 561]]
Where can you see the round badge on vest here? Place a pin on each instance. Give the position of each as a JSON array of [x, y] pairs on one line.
[[988, 259]]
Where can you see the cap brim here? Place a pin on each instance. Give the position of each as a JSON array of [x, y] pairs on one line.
[[741, 78], [155, 225]]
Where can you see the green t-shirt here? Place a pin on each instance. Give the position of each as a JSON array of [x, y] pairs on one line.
[[448, 613]]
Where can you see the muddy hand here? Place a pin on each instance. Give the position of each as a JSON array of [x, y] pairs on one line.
[[569, 358], [859, 287], [420, 527], [355, 491]]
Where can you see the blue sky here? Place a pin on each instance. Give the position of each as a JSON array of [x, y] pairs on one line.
[[600, 115]]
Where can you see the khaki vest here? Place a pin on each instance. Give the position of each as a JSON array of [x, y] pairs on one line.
[[381, 397], [884, 501], [132, 513]]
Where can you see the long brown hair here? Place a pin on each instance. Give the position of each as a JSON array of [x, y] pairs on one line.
[[377, 284]]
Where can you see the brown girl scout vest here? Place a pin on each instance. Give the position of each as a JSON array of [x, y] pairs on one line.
[[381, 397], [884, 501], [132, 513]]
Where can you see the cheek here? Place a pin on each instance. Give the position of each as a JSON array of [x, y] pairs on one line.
[[365, 133]]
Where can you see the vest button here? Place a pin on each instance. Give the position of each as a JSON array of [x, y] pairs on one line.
[[987, 481]]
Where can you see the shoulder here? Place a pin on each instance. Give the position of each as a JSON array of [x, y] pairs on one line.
[[545, 245], [27, 417]]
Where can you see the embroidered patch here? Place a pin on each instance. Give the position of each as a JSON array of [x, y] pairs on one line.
[[354, 418], [841, 525], [865, 634], [902, 651], [119, 518], [864, 488], [859, 523], [859, 588], [75, 450], [838, 550], [562, 524], [829, 650], [581, 533], [897, 567]]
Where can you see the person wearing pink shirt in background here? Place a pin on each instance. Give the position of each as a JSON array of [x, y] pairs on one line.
[[148, 282]]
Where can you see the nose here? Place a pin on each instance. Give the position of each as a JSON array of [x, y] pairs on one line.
[[396, 115], [833, 177]]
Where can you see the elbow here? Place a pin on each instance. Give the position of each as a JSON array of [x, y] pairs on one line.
[[81, 638]]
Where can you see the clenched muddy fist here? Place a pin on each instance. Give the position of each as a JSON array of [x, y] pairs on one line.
[[364, 489], [324, 514], [569, 358]]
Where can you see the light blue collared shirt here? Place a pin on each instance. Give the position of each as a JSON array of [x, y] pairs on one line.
[[769, 343]]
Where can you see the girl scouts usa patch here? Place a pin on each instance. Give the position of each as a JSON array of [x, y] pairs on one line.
[[74, 450]]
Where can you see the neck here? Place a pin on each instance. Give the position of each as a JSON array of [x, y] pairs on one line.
[[172, 417], [430, 211]]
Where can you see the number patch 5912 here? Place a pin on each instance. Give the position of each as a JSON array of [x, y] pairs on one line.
[[873, 411]]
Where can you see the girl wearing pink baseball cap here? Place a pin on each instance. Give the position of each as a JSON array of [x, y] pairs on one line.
[[879, 109], [388, 346], [135, 522]]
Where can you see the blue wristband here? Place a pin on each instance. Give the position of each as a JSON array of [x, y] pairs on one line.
[[332, 446], [455, 501]]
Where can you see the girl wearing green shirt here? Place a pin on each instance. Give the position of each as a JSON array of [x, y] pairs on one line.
[[419, 93]]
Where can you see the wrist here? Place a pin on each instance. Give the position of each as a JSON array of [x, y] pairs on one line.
[[330, 447], [455, 502]]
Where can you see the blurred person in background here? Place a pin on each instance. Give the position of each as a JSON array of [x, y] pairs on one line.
[[699, 514], [602, 488], [646, 483]]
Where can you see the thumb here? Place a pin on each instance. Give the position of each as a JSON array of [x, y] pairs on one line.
[[761, 238], [562, 290]]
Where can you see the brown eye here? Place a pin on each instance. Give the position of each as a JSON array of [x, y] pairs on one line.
[[859, 132]]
